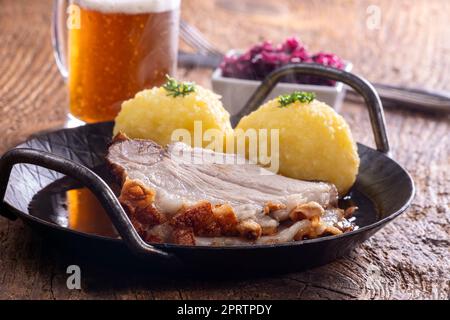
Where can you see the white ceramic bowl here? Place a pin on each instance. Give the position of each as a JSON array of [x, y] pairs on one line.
[[236, 92]]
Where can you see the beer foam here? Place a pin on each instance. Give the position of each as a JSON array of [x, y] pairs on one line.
[[129, 6]]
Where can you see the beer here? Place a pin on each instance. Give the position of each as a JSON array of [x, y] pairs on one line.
[[121, 47]]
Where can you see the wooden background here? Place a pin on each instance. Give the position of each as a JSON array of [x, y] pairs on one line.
[[409, 259]]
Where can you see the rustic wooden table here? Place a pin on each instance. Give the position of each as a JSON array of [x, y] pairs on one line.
[[411, 45]]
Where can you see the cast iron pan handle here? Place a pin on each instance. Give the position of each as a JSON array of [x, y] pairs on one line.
[[359, 84], [92, 181]]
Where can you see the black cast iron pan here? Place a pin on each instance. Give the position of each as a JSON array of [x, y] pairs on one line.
[[382, 191]]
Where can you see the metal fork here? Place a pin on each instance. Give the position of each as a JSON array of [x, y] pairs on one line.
[[196, 40]]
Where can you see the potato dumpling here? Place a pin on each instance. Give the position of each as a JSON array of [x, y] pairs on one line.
[[315, 141], [154, 114]]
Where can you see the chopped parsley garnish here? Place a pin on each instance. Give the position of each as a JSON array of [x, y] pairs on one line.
[[177, 89], [304, 97]]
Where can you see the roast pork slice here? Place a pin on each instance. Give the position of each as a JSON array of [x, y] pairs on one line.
[[178, 177]]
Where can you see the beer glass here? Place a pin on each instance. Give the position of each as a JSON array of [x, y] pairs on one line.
[[108, 50]]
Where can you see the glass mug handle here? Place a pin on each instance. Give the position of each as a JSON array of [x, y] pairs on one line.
[[59, 33]]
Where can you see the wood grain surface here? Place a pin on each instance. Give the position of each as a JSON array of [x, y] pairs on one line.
[[409, 259]]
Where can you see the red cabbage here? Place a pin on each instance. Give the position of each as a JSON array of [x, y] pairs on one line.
[[263, 58]]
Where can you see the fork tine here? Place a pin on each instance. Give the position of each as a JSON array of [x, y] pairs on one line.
[[198, 45], [195, 38], [193, 42], [188, 33], [199, 37]]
